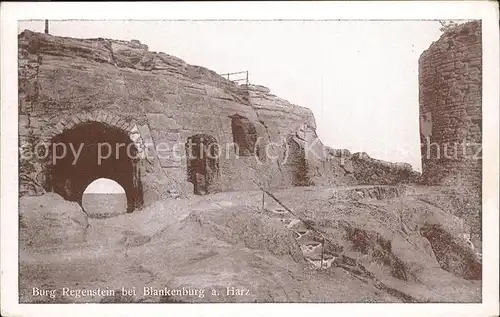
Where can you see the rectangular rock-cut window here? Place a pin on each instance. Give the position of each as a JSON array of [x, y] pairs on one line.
[[244, 135]]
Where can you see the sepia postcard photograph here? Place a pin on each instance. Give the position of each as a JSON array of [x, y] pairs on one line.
[[211, 153]]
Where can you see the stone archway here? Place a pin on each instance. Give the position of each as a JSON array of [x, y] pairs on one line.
[[96, 146], [202, 153]]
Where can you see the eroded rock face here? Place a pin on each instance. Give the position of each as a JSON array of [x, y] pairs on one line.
[[392, 237], [389, 247], [239, 226], [65, 82], [50, 221], [368, 170], [452, 253], [383, 246], [161, 102]]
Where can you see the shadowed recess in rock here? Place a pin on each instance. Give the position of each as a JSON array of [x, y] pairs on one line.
[[244, 135], [202, 152], [106, 152]]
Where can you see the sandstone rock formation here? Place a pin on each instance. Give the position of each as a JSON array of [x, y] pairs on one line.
[[374, 235], [156, 103], [386, 245], [49, 221]]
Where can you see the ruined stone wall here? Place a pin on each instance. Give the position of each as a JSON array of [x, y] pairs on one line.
[[450, 82]]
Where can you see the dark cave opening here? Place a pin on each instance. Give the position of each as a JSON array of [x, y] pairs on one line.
[[90, 151], [244, 135]]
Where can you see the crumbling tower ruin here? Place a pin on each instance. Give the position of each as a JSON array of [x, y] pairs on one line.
[[450, 83]]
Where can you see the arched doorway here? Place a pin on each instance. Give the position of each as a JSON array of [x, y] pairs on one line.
[[104, 198], [202, 152], [90, 151]]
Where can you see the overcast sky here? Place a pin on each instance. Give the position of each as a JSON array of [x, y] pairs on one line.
[[360, 78], [104, 185]]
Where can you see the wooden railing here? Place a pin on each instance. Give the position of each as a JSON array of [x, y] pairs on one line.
[[237, 77]]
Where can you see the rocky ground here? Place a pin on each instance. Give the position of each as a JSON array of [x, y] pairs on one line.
[[319, 244]]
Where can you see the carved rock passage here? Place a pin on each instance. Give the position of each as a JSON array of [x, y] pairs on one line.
[[71, 174], [450, 82]]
